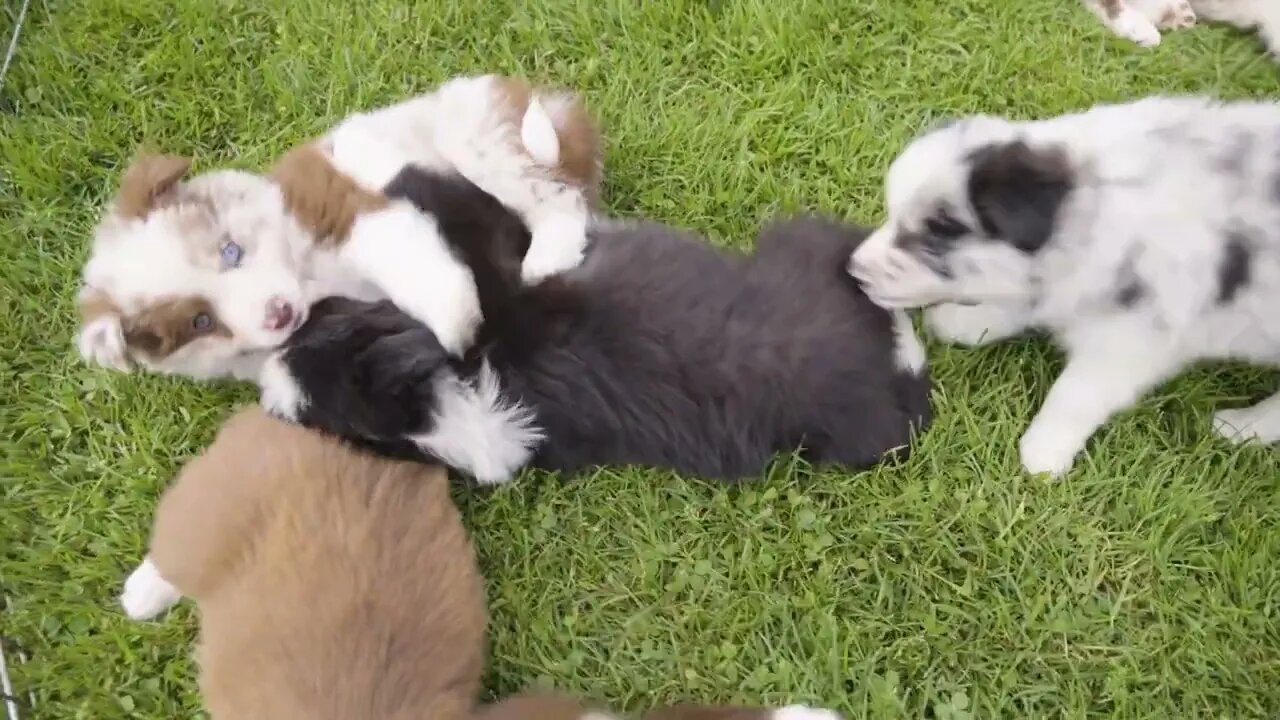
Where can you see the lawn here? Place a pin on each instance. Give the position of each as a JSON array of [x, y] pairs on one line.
[[1146, 584]]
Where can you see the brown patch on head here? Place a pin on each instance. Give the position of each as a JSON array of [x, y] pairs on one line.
[[167, 325], [580, 153], [150, 182], [321, 197]]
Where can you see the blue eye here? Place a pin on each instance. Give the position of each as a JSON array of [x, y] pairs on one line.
[[231, 253], [202, 322]]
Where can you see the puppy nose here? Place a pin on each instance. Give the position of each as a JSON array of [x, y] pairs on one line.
[[279, 314]]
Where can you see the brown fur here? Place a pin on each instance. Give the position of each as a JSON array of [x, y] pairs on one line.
[[150, 182], [321, 197], [580, 151], [331, 583], [166, 325]]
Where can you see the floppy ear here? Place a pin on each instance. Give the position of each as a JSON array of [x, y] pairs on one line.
[[1016, 191], [100, 338], [149, 183]]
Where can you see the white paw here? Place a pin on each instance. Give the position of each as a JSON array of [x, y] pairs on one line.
[[281, 395], [557, 244], [1242, 425], [101, 342], [1046, 451], [146, 593], [402, 251], [1177, 16], [961, 324], [803, 712], [908, 351], [1131, 25], [456, 322]]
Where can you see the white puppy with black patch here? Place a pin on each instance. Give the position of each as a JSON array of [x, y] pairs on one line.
[[1142, 237]]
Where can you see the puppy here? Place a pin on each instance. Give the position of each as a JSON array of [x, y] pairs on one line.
[[334, 584], [203, 277], [331, 583], [1142, 236], [658, 350], [1142, 20]]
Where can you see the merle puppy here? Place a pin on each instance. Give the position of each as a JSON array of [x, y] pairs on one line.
[[658, 350]]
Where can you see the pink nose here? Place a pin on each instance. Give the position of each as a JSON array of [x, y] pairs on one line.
[[279, 314]]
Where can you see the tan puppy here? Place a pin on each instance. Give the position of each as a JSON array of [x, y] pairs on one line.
[[331, 583], [335, 584]]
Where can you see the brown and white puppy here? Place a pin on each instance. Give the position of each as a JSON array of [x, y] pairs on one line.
[[204, 276], [331, 583], [334, 584]]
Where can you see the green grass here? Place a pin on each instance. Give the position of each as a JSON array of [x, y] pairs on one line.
[[1147, 584]]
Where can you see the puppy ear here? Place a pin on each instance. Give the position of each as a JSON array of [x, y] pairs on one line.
[[1016, 191], [100, 338], [149, 182], [400, 362]]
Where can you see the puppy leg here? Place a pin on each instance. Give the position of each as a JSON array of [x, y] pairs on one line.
[[1259, 423], [1174, 15], [477, 136], [200, 525], [1125, 21], [976, 325], [402, 251], [146, 592], [1108, 371]]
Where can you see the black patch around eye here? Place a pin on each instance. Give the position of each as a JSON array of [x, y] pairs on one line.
[[944, 225], [930, 249]]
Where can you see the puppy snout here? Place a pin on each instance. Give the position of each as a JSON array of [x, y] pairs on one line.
[[280, 314]]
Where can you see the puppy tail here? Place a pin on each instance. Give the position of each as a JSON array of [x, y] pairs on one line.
[[912, 382], [538, 133]]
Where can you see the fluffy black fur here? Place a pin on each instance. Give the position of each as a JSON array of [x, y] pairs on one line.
[[659, 350]]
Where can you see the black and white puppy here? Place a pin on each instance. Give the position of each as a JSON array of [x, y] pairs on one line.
[[658, 350], [1142, 236]]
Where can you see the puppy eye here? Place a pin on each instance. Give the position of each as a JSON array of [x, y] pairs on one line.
[[202, 322], [945, 226], [231, 253]]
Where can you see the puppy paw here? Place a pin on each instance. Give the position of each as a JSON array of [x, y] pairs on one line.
[[1131, 25], [1242, 425], [971, 325], [557, 244], [147, 594], [1177, 16], [101, 342], [1046, 452], [803, 712], [281, 394]]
